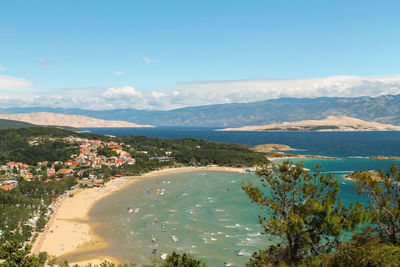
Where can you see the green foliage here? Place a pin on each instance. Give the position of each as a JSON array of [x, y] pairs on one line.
[[41, 223], [15, 255], [384, 208], [106, 151], [185, 260], [303, 210], [14, 145], [6, 124], [192, 151], [19, 204], [365, 255]]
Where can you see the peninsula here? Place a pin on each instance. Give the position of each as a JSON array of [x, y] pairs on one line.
[[275, 151], [76, 121], [331, 123]]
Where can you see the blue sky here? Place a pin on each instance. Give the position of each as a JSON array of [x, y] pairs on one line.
[[159, 47]]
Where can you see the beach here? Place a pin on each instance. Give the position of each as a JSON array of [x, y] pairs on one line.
[[69, 232]]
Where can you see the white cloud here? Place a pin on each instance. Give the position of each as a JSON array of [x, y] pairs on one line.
[[2, 68], [121, 92], [11, 83], [199, 93], [148, 60], [118, 73]]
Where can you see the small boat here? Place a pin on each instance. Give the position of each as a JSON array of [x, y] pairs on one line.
[[136, 210], [130, 210], [164, 256], [174, 238], [154, 251], [153, 239], [240, 254], [227, 264]]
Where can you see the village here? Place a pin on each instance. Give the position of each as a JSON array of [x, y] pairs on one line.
[[88, 158]]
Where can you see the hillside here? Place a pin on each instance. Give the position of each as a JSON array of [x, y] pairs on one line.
[[8, 124], [78, 121], [331, 123], [383, 109]]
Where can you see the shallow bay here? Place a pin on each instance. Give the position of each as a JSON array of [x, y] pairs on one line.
[[207, 211]]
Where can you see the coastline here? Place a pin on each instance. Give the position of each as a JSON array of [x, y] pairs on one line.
[[297, 156], [69, 231]]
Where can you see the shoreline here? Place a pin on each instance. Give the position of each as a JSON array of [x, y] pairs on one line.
[[298, 156], [69, 231]]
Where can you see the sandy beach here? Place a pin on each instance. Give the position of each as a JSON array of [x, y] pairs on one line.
[[69, 232]]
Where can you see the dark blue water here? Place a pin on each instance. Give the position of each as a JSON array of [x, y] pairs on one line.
[[339, 144]]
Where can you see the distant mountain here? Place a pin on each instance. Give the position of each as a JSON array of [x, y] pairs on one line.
[[8, 124], [55, 119], [384, 109], [332, 123]]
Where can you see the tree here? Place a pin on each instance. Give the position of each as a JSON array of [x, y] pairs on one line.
[[185, 260], [15, 255], [41, 223], [384, 196], [302, 209]]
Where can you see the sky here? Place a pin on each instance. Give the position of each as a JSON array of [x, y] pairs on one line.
[[168, 54]]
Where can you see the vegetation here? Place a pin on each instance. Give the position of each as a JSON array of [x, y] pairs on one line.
[[14, 145], [303, 210], [185, 260], [192, 151], [20, 204], [15, 255], [384, 208], [7, 124]]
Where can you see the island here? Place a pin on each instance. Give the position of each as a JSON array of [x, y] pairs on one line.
[[383, 157], [329, 124]]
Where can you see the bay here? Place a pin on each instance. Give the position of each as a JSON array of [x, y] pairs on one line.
[[208, 212]]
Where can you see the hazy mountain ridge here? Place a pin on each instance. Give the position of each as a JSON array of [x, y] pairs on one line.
[[54, 119], [383, 109]]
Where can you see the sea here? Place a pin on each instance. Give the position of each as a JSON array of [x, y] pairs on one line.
[[207, 214]]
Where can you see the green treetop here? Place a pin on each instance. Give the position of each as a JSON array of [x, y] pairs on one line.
[[303, 210]]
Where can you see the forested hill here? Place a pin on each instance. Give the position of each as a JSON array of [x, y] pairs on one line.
[[383, 109], [15, 146], [7, 124]]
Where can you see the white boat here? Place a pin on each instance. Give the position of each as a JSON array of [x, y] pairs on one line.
[[164, 256], [174, 238]]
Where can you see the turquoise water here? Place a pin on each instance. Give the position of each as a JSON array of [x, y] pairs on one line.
[[207, 211]]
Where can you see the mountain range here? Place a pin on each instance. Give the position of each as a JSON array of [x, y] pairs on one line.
[[383, 109]]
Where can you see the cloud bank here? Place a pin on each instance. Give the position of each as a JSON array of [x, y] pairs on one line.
[[11, 83], [198, 93]]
